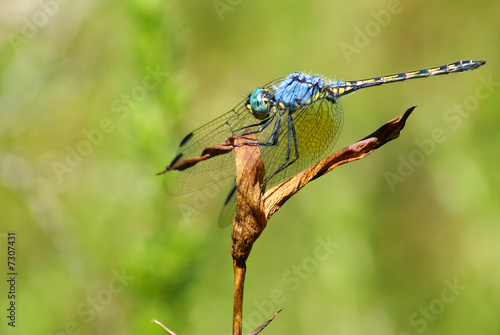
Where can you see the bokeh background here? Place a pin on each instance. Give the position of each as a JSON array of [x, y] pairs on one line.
[[96, 96]]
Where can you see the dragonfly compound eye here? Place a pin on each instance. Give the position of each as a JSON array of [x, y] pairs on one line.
[[258, 103]]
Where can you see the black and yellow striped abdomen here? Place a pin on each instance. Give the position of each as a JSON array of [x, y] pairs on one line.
[[339, 88]]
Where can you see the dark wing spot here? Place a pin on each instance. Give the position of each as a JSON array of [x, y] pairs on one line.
[[185, 139]]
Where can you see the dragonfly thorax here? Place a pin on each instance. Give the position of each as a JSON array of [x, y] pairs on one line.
[[260, 103]]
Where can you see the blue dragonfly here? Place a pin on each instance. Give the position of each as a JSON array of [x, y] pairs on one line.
[[296, 121]]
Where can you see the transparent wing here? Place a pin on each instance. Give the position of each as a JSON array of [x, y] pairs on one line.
[[210, 171], [317, 127], [204, 173], [227, 213]]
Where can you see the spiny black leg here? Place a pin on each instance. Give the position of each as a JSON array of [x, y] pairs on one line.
[[292, 136]]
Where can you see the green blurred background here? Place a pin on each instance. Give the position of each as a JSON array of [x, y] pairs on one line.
[[102, 249]]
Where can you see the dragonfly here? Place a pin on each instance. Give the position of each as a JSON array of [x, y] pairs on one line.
[[296, 121]]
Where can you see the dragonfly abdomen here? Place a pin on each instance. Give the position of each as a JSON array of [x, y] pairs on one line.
[[344, 87]]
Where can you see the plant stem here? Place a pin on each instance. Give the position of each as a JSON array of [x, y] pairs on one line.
[[239, 283]]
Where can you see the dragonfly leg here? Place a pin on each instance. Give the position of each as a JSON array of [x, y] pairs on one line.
[[273, 139], [292, 137], [262, 125]]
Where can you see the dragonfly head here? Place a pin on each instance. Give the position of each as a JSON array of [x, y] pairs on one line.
[[259, 104]]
